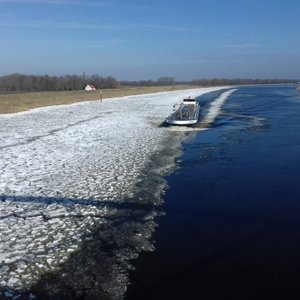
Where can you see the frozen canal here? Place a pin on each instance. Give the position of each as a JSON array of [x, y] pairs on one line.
[[78, 179]]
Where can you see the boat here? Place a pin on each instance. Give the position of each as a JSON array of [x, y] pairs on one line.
[[298, 86], [187, 113]]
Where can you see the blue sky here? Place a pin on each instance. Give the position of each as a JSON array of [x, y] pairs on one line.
[[137, 39]]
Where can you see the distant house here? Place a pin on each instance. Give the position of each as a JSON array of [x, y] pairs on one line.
[[90, 87]]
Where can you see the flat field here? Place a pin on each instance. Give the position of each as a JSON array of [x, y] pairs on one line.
[[16, 102]]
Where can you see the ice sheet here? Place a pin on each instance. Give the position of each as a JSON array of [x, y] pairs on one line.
[[63, 167]]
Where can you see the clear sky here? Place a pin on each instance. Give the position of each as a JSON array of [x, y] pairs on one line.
[[139, 39]]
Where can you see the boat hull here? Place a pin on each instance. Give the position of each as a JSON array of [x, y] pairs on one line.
[[181, 122]]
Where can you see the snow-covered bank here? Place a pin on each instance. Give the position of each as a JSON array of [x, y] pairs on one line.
[[63, 167]]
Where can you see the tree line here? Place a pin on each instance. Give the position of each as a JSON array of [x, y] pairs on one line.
[[238, 81], [163, 81], [37, 83]]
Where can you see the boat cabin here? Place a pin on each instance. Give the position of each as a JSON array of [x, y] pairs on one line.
[[189, 101]]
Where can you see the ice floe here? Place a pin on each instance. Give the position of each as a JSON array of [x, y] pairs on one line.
[[68, 173]]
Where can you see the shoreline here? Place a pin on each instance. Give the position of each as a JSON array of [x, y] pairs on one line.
[[20, 102]]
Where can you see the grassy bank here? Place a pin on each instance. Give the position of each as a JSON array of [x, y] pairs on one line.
[[11, 103]]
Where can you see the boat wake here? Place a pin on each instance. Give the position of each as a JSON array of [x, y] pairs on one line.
[[214, 110], [184, 128], [210, 116], [254, 119]]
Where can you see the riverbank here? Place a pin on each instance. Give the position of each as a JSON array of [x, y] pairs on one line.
[[17, 102]]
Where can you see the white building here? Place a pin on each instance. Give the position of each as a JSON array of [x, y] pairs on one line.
[[90, 87]]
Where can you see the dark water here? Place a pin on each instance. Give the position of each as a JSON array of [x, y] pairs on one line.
[[232, 223]]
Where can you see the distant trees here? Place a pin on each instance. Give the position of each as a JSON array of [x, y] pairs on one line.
[[166, 80], [38, 83], [237, 81], [103, 82], [163, 81]]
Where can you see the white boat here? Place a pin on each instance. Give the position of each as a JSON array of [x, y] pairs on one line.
[[186, 114]]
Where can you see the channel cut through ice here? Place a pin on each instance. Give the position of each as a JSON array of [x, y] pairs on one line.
[[55, 159]]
